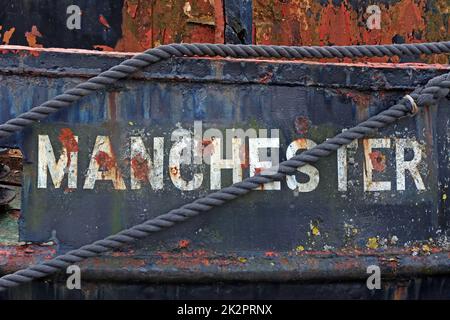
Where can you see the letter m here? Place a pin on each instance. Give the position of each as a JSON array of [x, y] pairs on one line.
[[67, 163]]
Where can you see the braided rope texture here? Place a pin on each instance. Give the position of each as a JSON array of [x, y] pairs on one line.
[[436, 89]]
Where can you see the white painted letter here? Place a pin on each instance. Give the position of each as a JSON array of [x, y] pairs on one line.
[[179, 155], [369, 184], [142, 167], [342, 164], [309, 170], [67, 162], [257, 166], [103, 165], [411, 165], [218, 163]]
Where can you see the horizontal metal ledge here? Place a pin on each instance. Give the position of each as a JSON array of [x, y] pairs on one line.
[[200, 266], [25, 61]]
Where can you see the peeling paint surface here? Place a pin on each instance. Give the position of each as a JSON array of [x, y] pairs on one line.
[[343, 22], [113, 138], [136, 25]]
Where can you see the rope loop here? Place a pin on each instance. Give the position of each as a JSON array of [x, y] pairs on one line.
[[412, 104]]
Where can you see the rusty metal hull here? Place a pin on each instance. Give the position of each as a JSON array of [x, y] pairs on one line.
[[133, 25], [329, 227]]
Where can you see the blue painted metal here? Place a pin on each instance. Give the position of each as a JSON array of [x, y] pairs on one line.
[[50, 20], [238, 21], [226, 94], [269, 234]]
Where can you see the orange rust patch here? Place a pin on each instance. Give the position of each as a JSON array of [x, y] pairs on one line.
[[174, 171], [129, 253], [147, 24], [378, 161], [103, 21], [32, 39], [347, 264], [15, 214], [11, 256], [208, 147], [266, 78], [271, 254], [105, 161], [67, 139], [389, 262], [301, 143], [103, 48], [360, 99], [219, 21], [400, 293], [194, 259], [301, 125], [69, 190], [112, 106], [131, 8], [340, 23], [183, 244], [206, 142], [140, 168], [7, 35], [331, 18], [258, 171], [243, 155]]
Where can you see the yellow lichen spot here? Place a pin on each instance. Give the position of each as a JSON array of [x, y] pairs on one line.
[[300, 248], [242, 260], [314, 229], [372, 243], [354, 231], [426, 248], [444, 197]]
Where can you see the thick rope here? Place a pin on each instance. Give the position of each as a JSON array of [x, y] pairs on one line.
[[142, 60], [436, 89]]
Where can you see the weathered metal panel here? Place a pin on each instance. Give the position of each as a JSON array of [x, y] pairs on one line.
[[296, 239], [301, 100], [134, 25], [345, 22], [121, 25], [315, 233]]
